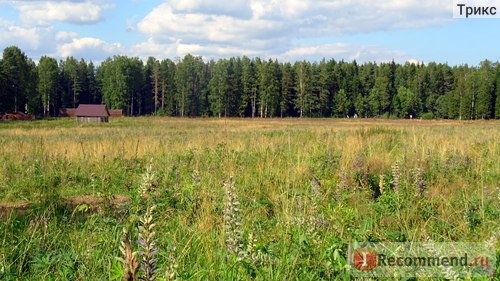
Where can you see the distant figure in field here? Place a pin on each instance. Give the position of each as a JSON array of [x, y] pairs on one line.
[[411, 116]]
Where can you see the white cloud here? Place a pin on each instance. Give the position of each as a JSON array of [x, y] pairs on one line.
[[348, 52], [44, 40], [88, 47], [165, 25], [65, 36], [44, 12], [273, 27], [235, 8], [27, 37], [339, 51], [152, 48], [168, 25], [12, 34], [214, 28], [179, 49]]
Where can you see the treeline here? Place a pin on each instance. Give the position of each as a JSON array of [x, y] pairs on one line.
[[244, 87]]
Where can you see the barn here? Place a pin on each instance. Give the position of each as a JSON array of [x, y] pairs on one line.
[[92, 113]]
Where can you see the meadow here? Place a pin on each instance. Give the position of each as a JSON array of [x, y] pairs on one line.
[[236, 199]]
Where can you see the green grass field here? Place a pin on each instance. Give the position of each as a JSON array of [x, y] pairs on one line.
[[303, 190]]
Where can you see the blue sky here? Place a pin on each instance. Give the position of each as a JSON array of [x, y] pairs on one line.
[[289, 30]]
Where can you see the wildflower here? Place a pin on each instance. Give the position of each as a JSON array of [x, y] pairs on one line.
[[148, 183], [420, 183], [232, 221], [381, 184], [396, 175], [171, 272], [315, 220], [195, 176], [147, 243], [315, 186], [342, 185], [93, 182], [129, 259], [250, 252], [491, 243]]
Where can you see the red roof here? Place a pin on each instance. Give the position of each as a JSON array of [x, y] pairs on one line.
[[92, 110]]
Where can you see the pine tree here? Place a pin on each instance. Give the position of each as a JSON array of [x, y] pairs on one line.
[[288, 93], [17, 74], [167, 74], [152, 86], [342, 104], [269, 88], [248, 106], [379, 99]]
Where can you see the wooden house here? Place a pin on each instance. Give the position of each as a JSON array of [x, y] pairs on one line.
[[92, 113]]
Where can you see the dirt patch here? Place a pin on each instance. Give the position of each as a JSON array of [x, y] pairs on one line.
[[93, 203]]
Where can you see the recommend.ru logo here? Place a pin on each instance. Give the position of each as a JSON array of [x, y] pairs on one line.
[[422, 259]]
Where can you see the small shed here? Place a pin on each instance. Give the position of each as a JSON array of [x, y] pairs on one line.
[[67, 112], [115, 113], [92, 113]]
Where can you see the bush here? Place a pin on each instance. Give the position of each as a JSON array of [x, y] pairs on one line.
[[428, 116]]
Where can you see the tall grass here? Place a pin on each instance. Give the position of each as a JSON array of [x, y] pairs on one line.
[[304, 188]]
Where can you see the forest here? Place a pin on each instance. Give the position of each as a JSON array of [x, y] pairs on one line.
[[250, 87]]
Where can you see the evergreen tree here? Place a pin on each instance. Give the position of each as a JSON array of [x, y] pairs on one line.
[[152, 86], [325, 88], [17, 73], [269, 88], [379, 99], [71, 84], [248, 106], [189, 78], [457, 107], [167, 74], [387, 91], [248, 87], [234, 98], [82, 76], [288, 93], [94, 91], [342, 104], [367, 75]]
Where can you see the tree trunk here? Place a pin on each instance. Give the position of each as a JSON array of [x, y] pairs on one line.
[[156, 91], [163, 96], [253, 106]]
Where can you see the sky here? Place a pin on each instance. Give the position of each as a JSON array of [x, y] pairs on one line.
[[287, 30]]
